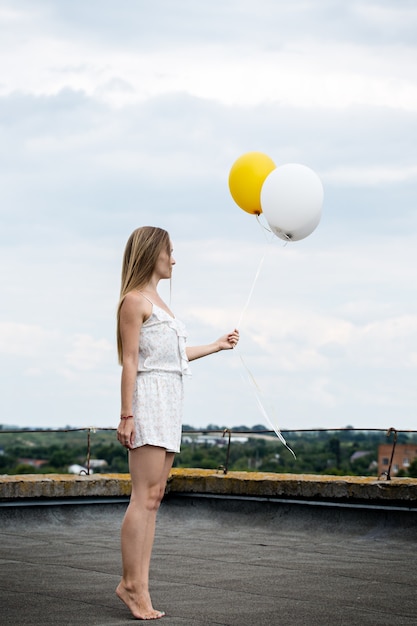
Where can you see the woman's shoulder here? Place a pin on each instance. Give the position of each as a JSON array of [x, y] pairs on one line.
[[134, 303]]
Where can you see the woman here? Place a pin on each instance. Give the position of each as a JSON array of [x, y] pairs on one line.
[[154, 358]]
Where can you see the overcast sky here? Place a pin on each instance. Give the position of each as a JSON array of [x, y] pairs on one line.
[[119, 114]]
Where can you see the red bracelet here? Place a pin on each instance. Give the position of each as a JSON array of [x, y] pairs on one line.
[[126, 417]]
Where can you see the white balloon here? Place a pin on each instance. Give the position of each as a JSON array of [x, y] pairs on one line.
[[291, 200]]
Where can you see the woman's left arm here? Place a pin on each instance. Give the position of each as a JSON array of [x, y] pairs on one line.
[[226, 342]]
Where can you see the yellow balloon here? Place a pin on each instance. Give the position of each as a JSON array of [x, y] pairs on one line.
[[246, 178]]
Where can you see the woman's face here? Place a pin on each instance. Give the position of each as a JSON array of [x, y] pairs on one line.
[[164, 263]]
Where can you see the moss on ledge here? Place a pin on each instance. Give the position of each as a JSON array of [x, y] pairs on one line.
[[197, 481]]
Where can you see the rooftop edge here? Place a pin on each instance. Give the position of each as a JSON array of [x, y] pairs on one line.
[[215, 482]]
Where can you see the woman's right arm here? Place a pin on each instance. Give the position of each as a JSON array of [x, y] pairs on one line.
[[132, 315]]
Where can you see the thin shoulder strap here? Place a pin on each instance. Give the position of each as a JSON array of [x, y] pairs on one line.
[[146, 298]]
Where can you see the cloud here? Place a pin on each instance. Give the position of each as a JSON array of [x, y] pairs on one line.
[[87, 353], [360, 176], [160, 52], [24, 340], [47, 350], [112, 118]]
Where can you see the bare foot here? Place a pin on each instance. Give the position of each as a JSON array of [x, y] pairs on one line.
[[139, 604]]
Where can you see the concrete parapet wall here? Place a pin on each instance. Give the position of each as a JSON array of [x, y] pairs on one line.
[[25, 486], [197, 481], [293, 486]]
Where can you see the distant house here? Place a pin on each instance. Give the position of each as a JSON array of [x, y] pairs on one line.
[[97, 463], [359, 454], [36, 463], [404, 454], [210, 440], [78, 469]]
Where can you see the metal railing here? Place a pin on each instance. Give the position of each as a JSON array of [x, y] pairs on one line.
[[223, 433]]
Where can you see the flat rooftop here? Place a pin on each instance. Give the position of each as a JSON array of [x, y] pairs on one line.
[[217, 560]]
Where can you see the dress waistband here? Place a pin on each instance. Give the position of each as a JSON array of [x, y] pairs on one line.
[[159, 373]]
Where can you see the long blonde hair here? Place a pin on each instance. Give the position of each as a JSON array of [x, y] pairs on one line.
[[139, 260]]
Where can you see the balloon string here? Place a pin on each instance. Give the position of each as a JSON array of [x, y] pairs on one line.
[[257, 392], [285, 237], [250, 376], [258, 271], [261, 225]]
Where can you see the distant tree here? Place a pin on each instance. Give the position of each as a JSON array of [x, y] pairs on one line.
[[334, 447], [117, 465], [61, 458], [362, 465], [22, 468], [412, 470]]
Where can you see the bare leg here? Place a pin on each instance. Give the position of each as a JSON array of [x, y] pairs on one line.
[[149, 469]]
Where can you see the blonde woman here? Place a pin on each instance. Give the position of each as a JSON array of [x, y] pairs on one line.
[[154, 357]]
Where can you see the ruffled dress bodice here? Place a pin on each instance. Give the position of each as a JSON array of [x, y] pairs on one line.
[[162, 344]]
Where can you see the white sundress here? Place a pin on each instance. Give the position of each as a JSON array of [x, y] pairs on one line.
[[159, 392]]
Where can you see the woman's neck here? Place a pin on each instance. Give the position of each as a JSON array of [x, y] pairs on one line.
[[151, 287]]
